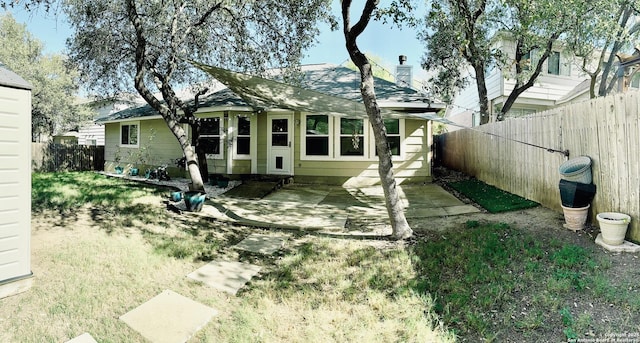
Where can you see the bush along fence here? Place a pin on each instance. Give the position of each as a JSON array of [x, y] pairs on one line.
[[606, 129], [50, 157]]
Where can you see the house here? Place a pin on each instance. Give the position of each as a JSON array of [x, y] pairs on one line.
[[557, 81], [67, 138], [315, 132], [15, 188]]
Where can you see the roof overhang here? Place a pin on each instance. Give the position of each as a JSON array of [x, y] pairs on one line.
[[122, 120], [264, 94]]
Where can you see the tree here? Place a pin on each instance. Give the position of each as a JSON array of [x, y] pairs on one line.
[[461, 33], [147, 45], [54, 83], [377, 68], [597, 42], [401, 228]]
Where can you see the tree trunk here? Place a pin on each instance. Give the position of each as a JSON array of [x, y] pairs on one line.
[[399, 225], [482, 94], [168, 114], [191, 162]]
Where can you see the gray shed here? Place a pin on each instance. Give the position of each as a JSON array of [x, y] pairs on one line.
[[15, 183]]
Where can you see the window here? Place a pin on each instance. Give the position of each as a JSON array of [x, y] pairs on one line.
[[554, 63], [393, 135], [530, 59], [635, 81], [210, 139], [352, 137], [243, 137], [129, 134], [280, 132], [394, 129], [317, 135]]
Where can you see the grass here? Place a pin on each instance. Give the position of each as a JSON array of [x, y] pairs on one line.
[[491, 198], [493, 281], [102, 246]]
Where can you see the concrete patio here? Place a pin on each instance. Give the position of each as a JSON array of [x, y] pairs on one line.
[[327, 208]]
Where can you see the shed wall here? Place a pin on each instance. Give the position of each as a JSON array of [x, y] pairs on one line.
[[15, 184]]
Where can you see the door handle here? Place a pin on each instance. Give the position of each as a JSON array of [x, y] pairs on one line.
[[289, 144]]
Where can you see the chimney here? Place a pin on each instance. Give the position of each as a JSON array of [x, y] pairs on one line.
[[404, 73]]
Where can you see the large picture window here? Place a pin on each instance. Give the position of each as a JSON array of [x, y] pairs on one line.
[[129, 133], [352, 141], [210, 137]]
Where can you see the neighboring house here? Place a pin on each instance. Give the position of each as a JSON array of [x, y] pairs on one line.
[[242, 137], [15, 188], [93, 134], [67, 138], [559, 77]]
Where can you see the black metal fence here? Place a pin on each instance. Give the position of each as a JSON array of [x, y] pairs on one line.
[[50, 157]]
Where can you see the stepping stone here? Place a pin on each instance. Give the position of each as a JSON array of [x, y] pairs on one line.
[[225, 276], [626, 246], [84, 338], [261, 244], [168, 318]]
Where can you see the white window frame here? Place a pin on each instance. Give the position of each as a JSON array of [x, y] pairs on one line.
[[303, 139], [372, 143], [251, 135], [365, 140], [129, 123], [219, 155]]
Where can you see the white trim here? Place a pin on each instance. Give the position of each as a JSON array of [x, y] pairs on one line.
[[130, 123], [254, 144], [128, 119], [291, 137], [229, 139], [303, 139], [251, 136], [221, 134]]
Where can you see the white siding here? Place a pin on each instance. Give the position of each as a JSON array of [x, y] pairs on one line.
[[87, 135], [15, 183]]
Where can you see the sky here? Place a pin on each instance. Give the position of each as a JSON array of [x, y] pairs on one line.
[[383, 41]]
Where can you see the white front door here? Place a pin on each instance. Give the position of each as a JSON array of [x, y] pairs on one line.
[[280, 140]]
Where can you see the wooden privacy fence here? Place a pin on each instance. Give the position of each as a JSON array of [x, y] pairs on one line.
[[606, 129], [49, 157]]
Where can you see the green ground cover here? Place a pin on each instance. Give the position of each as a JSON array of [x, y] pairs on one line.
[[491, 198]]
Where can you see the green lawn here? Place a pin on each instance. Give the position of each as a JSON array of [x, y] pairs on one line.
[[102, 246]]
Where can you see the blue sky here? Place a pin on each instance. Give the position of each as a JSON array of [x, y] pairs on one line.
[[380, 40]]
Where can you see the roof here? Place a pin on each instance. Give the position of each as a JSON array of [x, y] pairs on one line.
[[12, 80], [332, 88]]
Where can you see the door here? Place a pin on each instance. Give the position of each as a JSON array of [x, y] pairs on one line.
[[280, 140]]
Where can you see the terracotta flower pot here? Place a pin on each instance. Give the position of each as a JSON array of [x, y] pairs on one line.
[[613, 227], [575, 218]]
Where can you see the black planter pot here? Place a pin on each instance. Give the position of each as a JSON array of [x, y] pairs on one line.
[[575, 194]]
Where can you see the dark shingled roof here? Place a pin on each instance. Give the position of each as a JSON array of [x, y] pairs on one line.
[[324, 78], [12, 80]]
